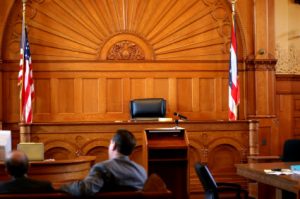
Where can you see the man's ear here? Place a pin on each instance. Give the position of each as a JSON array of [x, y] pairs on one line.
[[114, 147]]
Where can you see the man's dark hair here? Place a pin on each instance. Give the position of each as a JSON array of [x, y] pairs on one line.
[[17, 164], [124, 141]]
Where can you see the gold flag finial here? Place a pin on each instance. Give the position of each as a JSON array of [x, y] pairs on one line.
[[24, 8], [233, 2]]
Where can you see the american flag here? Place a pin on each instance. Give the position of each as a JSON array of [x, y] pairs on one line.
[[25, 79], [234, 95]]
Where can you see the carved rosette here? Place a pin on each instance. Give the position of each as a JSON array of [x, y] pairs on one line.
[[125, 50]]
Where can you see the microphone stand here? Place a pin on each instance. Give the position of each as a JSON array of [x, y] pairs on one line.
[[176, 123]]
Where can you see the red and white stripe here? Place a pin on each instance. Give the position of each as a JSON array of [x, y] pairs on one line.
[[234, 96], [25, 79]]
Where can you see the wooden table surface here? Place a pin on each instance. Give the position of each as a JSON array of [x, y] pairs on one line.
[[255, 171]]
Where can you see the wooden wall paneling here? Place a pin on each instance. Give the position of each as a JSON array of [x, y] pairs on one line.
[[264, 34], [114, 93], [66, 95], [195, 95], [12, 98], [5, 91], [265, 93], [223, 97], [161, 89], [149, 87], [285, 117], [207, 99], [90, 95], [102, 104], [296, 116], [126, 100], [42, 101], [54, 98], [250, 92], [173, 94], [242, 111], [287, 95], [184, 94], [105, 95], [79, 95], [138, 88]]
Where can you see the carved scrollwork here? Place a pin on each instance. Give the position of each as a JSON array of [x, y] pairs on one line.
[[126, 50]]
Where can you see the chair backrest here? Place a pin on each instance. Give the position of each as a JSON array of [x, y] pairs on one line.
[[148, 108], [207, 180], [291, 150]]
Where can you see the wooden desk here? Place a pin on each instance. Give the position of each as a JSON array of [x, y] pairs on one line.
[[57, 171], [270, 186]]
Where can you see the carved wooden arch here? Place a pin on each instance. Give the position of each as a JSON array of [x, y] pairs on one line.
[[230, 141], [237, 150], [60, 149], [172, 30]]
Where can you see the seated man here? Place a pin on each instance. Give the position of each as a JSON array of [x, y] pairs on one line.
[[113, 174], [17, 166]]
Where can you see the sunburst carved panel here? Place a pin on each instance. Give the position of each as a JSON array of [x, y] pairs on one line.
[[80, 29]]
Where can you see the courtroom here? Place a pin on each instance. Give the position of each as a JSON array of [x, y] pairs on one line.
[[150, 99]]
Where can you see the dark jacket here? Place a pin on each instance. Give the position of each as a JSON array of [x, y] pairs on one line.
[[110, 175], [25, 185]]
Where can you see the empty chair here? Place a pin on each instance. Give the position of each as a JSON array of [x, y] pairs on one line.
[[212, 188], [291, 150], [147, 108]]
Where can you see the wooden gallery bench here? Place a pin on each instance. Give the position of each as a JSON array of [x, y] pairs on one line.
[[108, 195]]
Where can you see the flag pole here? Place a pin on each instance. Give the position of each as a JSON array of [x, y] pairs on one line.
[[24, 129], [21, 85], [233, 95]]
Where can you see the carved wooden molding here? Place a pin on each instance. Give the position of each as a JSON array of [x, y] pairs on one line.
[[263, 67], [260, 64]]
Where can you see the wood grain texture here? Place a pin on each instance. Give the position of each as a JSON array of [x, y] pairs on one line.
[[287, 98], [123, 30]]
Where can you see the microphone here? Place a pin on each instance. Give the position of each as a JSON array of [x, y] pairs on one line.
[[180, 116]]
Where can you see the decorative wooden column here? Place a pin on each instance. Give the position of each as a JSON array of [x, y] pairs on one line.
[[261, 103], [260, 83]]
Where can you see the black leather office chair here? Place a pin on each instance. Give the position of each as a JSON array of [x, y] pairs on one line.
[[148, 108], [212, 188], [291, 149]]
